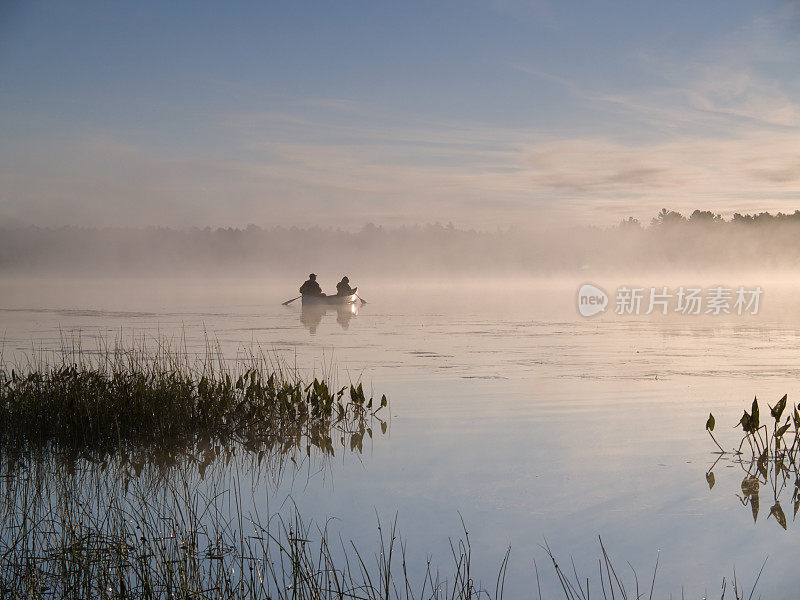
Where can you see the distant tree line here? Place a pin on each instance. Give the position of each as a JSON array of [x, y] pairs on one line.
[[666, 218], [701, 240]]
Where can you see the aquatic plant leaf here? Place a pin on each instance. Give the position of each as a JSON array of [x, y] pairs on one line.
[[782, 430], [762, 462], [796, 418], [754, 424], [779, 516], [750, 485], [384, 402], [383, 427], [710, 422], [754, 507], [777, 410], [796, 506], [710, 479], [745, 422]]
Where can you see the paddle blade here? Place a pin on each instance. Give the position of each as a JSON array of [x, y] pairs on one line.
[[288, 302]]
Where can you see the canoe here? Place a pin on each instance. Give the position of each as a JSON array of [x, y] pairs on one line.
[[308, 299]]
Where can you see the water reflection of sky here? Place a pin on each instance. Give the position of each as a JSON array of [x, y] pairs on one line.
[[526, 419]]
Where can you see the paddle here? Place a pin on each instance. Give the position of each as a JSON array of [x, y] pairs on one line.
[[288, 302], [360, 298]]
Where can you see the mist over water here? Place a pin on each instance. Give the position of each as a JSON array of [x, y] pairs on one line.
[[703, 243]]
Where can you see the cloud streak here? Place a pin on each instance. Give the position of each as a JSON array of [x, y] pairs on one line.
[[440, 176]]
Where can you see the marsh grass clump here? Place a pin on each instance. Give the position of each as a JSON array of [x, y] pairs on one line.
[[130, 399]]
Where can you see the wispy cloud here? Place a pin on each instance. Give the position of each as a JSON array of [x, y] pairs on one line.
[[738, 83], [303, 172]]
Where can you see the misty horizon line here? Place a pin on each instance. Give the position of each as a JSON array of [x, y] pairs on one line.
[[670, 240], [663, 217]]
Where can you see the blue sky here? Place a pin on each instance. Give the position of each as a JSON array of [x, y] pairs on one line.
[[483, 113]]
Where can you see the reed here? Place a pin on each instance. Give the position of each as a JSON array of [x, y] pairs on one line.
[[89, 534]]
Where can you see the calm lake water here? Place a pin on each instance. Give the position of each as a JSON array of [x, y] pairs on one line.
[[508, 409]]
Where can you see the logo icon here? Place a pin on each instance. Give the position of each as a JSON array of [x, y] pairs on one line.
[[591, 300]]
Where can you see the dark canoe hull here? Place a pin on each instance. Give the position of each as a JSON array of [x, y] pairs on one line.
[[309, 300]]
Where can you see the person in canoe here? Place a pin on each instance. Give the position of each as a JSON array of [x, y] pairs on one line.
[[311, 287], [343, 287]]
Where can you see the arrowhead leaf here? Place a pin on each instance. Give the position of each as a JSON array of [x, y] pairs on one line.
[[745, 422], [750, 486], [782, 430], [777, 410], [754, 416], [710, 479], [754, 507], [710, 422], [762, 462], [779, 516]]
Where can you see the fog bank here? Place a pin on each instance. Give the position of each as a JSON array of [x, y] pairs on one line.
[[700, 242]]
